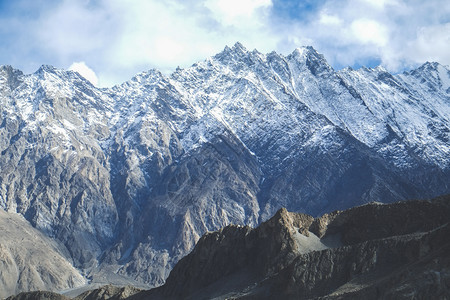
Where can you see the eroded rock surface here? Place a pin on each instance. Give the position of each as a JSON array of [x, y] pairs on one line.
[[29, 260], [389, 251]]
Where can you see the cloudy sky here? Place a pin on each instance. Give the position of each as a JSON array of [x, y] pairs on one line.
[[111, 40]]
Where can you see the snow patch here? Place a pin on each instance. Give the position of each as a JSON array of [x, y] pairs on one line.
[[306, 244]]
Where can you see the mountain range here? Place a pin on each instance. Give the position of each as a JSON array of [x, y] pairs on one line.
[[125, 180]]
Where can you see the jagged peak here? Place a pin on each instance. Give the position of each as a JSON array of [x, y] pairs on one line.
[[282, 216], [430, 65], [306, 52], [380, 69], [347, 69], [366, 71], [150, 75], [43, 69], [432, 72], [11, 76], [291, 219], [377, 71], [281, 213], [309, 56], [425, 67], [239, 47], [46, 72], [46, 69], [237, 51], [143, 79], [8, 69]]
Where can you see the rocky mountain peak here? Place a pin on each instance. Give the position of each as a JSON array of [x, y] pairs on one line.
[[46, 69], [237, 56], [238, 47], [10, 77], [430, 66], [433, 69], [7, 70], [292, 221], [306, 52], [62, 81], [314, 61], [151, 76], [434, 76]]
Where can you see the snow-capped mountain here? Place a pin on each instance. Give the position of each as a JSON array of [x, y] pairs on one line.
[[129, 178]]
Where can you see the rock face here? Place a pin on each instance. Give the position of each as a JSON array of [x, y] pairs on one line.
[[375, 251], [129, 178], [30, 261], [108, 292], [38, 295]]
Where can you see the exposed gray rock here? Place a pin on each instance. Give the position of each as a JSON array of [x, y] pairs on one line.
[[29, 260], [108, 292], [38, 295]]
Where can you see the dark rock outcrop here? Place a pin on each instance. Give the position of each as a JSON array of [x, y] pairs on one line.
[[38, 295], [394, 251], [108, 292]]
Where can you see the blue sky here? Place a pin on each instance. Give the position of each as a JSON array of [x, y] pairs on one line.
[[109, 41]]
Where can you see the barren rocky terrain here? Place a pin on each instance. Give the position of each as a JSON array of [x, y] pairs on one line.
[[374, 251]]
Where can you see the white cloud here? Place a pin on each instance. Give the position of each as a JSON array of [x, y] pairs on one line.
[[84, 71], [397, 33], [328, 19], [167, 34], [369, 32], [432, 44], [380, 4], [119, 38], [73, 28], [237, 12]]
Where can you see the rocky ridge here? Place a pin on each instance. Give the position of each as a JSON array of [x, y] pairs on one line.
[[129, 178], [389, 251]]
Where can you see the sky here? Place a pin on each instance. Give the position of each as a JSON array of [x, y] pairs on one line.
[[109, 41]]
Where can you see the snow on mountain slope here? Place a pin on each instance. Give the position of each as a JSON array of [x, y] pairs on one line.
[[129, 178], [53, 170], [422, 120]]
